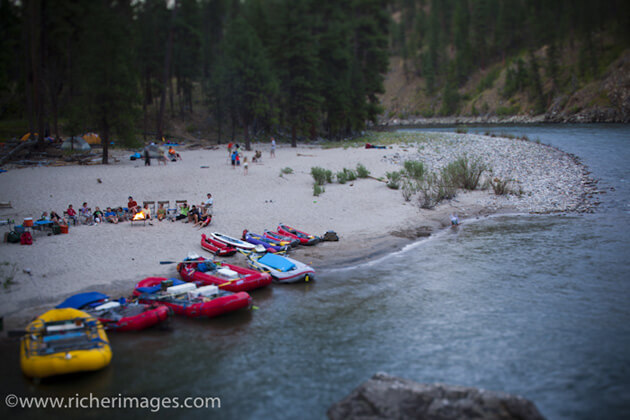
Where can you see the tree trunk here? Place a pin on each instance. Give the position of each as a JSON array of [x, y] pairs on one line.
[[293, 136], [167, 67], [248, 145], [105, 140]]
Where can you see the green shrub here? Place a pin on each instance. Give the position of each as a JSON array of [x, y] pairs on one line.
[[350, 174], [409, 188], [504, 111], [321, 175], [393, 179], [317, 189], [286, 170], [342, 177], [464, 173], [414, 169], [362, 171], [500, 186]]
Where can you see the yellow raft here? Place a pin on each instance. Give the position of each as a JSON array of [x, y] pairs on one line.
[[64, 341]]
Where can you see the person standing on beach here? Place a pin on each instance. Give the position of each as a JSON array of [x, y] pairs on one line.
[[147, 157], [208, 204], [245, 165], [272, 152]]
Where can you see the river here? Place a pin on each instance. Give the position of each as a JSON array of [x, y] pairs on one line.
[[532, 305]]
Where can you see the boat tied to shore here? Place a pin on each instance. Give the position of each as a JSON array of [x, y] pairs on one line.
[[119, 315], [189, 299], [283, 269], [63, 341], [230, 277]]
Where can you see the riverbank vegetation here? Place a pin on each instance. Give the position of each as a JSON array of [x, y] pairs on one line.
[[503, 58]]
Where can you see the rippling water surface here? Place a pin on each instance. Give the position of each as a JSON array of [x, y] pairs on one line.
[[533, 305]]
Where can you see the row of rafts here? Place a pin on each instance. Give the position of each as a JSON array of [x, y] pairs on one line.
[[71, 338]]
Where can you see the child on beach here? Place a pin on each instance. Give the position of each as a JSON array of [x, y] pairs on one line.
[[72, 214], [245, 165], [161, 212]]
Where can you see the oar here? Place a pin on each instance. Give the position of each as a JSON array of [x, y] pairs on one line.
[[187, 262]]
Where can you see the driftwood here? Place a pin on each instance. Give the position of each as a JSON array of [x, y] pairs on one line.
[[22, 145]]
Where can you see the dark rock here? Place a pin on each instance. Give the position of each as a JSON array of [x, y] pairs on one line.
[[388, 397]]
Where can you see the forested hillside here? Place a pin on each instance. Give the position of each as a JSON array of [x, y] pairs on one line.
[[136, 71], [564, 59], [221, 68]]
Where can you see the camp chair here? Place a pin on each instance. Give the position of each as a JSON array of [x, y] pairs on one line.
[[151, 206], [166, 204]]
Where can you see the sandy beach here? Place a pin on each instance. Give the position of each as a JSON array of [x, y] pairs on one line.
[[369, 218]]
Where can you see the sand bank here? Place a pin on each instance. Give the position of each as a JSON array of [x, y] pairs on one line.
[[370, 218]]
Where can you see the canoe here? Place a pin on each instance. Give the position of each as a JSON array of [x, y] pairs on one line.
[[226, 276], [218, 248], [283, 240], [282, 269], [63, 341], [188, 299], [118, 315], [269, 244], [303, 237], [236, 243]]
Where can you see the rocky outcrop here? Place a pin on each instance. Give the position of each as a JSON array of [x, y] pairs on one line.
[[388, 397]]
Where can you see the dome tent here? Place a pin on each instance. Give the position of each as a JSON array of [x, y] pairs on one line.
[[76, 143]]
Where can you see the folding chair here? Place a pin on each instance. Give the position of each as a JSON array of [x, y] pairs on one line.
[[166, 204], [151, 206]]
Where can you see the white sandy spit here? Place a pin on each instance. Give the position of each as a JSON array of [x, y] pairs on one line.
[[365, 213]]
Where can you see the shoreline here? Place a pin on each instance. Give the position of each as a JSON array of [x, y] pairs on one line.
[[371, 220]]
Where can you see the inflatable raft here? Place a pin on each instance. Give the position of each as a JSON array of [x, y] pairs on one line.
[[282, 269], [63, 341], [118, 315], [303, 237], [188, 299], [269, 244], [237, 243], [226, 276], [283, 240], [218, 248]]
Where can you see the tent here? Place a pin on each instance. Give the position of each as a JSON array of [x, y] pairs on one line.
[[27, 136], [75, 143], [92, 138]]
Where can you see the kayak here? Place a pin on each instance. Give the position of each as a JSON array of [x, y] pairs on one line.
[[188, 299], [270, 245], [304, 238], [282, 269], [118, 315], [283, 240], [63, 341], [226, 276], [237, 243], [218, 248]]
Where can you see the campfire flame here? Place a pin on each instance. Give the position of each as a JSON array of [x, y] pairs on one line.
[[139, 216]]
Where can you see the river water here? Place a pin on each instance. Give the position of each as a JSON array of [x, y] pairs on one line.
[[532, 305]]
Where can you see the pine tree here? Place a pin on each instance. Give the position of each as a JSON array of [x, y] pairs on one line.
[[107, 98], [252, 82], [296, 61]]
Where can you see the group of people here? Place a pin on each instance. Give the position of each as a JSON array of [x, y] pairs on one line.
[[199, 215], [172, 154]]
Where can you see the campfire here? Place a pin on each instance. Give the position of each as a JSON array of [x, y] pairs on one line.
[[138, 216]]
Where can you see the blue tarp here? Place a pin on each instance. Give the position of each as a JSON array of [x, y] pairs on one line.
[[82, 299], [277, 262], [154, 289]]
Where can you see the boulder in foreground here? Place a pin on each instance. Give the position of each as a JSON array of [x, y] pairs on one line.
[[388, 397]]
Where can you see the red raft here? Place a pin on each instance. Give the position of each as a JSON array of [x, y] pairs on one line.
[[226, 276], [188, 299], [218, 248], [118, 315], [303, 237]]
